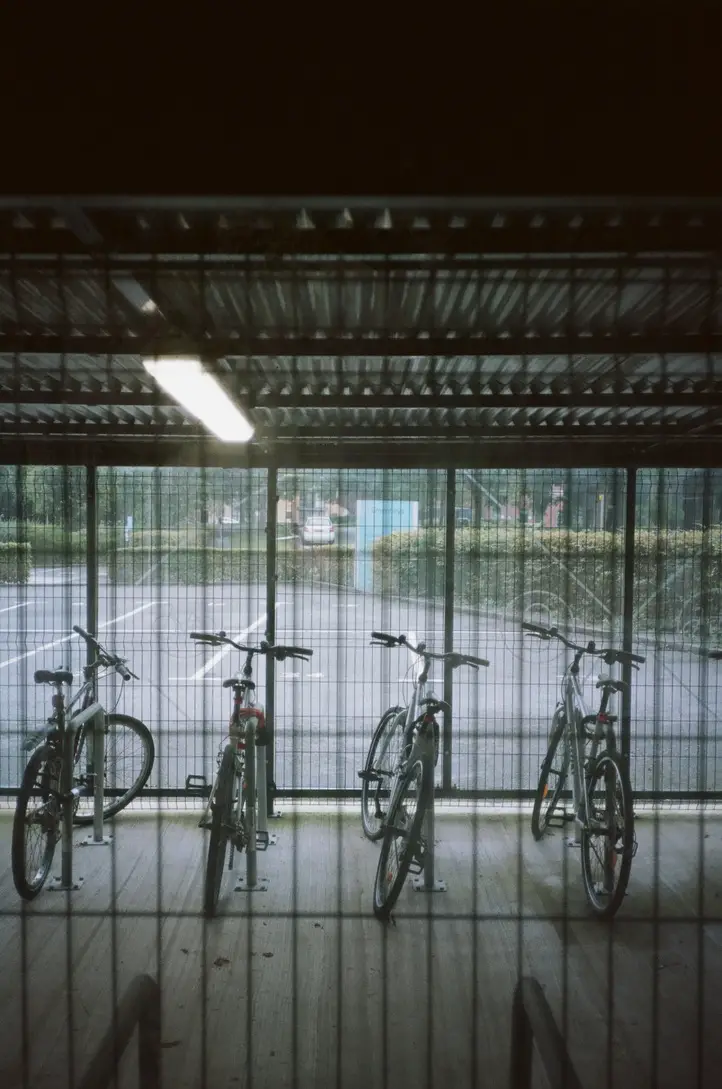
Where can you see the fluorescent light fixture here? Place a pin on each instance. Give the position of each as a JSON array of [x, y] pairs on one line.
[[200, 394]]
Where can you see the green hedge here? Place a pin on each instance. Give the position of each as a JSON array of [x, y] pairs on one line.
[[15, 562], [205, 566], [577, 573]]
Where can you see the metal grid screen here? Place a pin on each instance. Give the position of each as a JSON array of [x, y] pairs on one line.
[[456, 559]]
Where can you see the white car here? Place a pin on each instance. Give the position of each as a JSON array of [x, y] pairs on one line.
[[318, 529]]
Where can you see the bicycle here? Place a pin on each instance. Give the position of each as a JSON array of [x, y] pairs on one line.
[[60, 744], [600, 787], [231, 810], [409, 773]]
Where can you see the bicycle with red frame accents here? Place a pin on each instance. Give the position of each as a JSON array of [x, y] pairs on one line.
[[583, 749], [231, 812]]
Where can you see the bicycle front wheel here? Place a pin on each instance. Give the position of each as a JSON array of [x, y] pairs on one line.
[[129, 759], [36, 827], [221, 817], [608, 840], [402, 833], [382, 760], [552, 778]]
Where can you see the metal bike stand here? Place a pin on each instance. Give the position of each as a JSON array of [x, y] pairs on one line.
[[252, 881], [426, 882], [98, 839], [66, 882], [261, 773]]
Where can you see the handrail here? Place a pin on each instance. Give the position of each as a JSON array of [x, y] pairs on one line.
[[140, 1005], [532, 1019]]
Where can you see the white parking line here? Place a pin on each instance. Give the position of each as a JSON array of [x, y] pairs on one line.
[[212, 662], [10, 608], [67, 638]]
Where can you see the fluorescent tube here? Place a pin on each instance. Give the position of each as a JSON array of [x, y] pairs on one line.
[[200, 394]]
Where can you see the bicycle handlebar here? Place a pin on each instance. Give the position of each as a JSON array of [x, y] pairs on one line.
[[608, 654], [280, 652], [105, 658], [380, 638]]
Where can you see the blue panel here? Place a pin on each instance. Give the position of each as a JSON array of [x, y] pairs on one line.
[[377, 518]]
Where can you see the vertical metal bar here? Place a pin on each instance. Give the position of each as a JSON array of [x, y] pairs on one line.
[[271, 576], [91, 553], [448, 622], [521, 1043], [250, 775], [149, 1045], [98, 733], [91, 599], [66, 785], [627, 630]]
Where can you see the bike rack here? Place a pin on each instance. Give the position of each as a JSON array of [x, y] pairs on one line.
[[426, 881], [532, 1020], [263, 838], [252, 882], [140, 1005], [98, 839], [66, 882]]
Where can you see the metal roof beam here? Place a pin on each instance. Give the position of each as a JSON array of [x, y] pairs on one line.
[[658, 343], [702, 236], [463, 433], [420, 401], [204, 452]]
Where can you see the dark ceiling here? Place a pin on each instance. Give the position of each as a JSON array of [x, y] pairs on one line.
[[384, 331]]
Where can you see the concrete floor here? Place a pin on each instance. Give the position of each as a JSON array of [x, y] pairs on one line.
[[300, 985]]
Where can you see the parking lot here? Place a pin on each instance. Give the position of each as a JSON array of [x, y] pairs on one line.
[[326, 709]]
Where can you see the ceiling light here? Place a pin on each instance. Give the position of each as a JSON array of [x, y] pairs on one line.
[[200, 394]]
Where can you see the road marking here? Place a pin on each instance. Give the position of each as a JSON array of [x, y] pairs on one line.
[[224, 650], [10, 608], [66, 638], [314, 675], [150, 571], [291, 676]]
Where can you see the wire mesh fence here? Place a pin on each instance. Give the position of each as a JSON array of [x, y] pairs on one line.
[[457, 560]]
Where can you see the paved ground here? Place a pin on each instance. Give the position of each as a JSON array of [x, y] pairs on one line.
[[326, 709]]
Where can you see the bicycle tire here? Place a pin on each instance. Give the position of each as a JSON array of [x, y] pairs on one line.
[[220, 824], [539, 824], [140, 773], [387, 888], [623, 846], [371, 791], [42, 775]]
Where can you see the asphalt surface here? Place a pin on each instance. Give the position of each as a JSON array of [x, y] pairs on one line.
[[326, 709]]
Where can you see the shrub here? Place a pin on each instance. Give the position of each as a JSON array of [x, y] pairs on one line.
[[15, 562]]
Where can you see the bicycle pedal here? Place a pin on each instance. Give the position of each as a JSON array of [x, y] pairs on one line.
[[198, 786], [369, 776], [262, 840], [560, 819], [416, 867]]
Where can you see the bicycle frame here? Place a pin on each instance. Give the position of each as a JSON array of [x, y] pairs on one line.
[[578, 716]]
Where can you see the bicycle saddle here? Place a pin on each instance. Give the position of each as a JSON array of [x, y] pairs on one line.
[[609, 682], [49, 676]]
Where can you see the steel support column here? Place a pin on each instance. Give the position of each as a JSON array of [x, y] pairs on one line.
[[448, 622], [91, 553], [271, 576], [628, 620]]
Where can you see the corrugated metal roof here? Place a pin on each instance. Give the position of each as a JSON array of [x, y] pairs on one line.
[[614, 329]]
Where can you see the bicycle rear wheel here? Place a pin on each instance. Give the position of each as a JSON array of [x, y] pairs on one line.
[[402, 833], [608, 841], [553, 777], [129, 758], [381, 762], [36, 827], [221, 816]]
